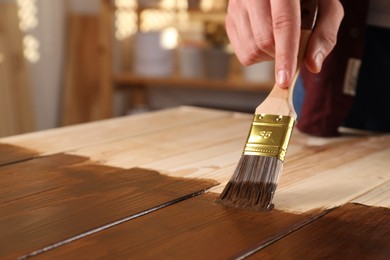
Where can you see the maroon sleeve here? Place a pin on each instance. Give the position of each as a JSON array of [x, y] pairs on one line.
[[325, 106]]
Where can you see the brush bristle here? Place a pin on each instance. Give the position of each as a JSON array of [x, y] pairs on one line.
[[253, 183]]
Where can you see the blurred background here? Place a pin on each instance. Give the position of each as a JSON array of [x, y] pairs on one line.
[[65, 62]]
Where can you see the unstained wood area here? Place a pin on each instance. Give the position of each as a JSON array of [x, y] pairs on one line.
[[145, 186]]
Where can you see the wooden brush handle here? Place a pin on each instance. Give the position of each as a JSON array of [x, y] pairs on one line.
[[279, 101]]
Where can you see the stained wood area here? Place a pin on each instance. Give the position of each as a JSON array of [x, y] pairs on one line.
[[352, 231], [193, 229], [48, 200]]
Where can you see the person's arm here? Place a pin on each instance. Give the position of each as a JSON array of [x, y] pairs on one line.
[[262, 30]]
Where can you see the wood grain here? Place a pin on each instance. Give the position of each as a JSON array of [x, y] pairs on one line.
[[175, 141], [309, 156], [77, 136], [193, 229], [333, 184], [16, 108], [378, 196], [350, 232], [51, 199]]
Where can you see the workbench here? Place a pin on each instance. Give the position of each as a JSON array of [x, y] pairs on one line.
[[145, 187]]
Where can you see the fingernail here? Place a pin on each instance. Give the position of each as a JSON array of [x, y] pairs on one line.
[[318, 59], [282, 77]]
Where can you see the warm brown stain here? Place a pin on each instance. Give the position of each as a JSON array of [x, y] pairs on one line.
[[47, 200], [11, 153], [197, 228], [350, 232]]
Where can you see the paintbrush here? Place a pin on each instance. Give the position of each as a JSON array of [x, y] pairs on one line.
[[254, 181]]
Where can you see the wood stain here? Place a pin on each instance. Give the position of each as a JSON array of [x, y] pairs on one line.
[[352, 231], [51, 199], [197, 228]]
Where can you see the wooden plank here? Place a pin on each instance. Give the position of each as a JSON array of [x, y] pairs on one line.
[[17, 109], [335, 186], [378, 196], [349, 232], [88, 82], [73, 137], [148, 148], [56, 198], [197, 228], [313, 155], [82, 93]]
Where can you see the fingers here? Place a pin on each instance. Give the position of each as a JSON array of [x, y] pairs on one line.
[[240, 23], [324, 36], [286, 27], [262, 29], [261, 24]]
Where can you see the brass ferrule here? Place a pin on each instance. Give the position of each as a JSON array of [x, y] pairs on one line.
[[269, 136]]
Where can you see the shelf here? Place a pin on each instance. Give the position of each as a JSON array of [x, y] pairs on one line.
[[123, 79], [138, 84]]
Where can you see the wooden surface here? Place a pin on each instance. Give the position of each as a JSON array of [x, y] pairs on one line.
[[63, 196], [79, 193], [16, 108]]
